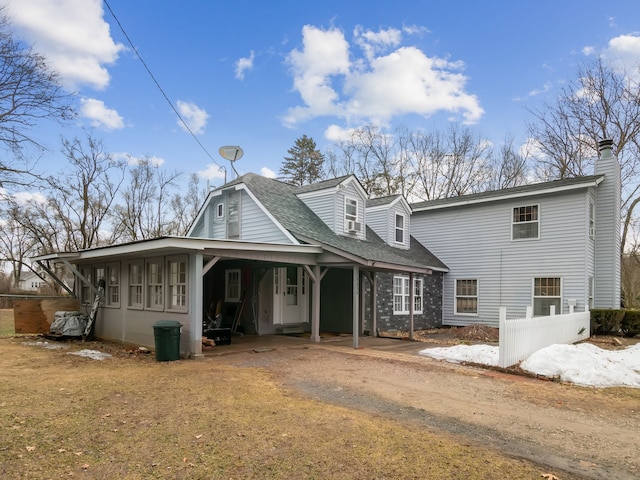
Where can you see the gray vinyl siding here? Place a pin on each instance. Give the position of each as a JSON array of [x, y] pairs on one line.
[[324, 206], [475, 243], [256, 226], [341, 195], [383, 222]]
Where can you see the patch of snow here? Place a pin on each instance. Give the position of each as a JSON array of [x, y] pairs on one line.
[[94, 354], [47, 345], [584, 364], [483, 354]]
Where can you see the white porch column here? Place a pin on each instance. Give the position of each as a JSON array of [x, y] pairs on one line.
[[356, 305], [195, 289]]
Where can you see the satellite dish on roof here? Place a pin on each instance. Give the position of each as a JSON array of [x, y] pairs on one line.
[[231, 153]]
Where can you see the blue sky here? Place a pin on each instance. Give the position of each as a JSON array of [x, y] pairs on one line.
[[260, 74]]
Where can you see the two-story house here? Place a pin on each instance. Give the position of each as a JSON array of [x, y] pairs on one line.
[[270, 257], [541, 245]]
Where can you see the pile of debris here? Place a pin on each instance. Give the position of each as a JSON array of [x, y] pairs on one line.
[[478, 333]]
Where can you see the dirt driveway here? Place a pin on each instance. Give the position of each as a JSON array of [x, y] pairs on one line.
[[589, 432]]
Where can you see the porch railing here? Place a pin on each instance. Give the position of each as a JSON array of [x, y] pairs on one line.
[[520, 337]]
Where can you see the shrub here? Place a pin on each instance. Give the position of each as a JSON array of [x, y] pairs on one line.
[[605, 321], [630, 324]]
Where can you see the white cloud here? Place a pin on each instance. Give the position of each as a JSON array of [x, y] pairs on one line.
[[624, 53], [212, 172], [195, 117], [588, 51], [337, 134], [244, 64], [100, 115], [267, 172], [378, 86], [72, 35], [133, 160], [23, 198]]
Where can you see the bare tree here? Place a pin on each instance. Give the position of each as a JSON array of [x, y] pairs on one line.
[[602, 103], [510, 168], [29, 92], [146, 201], [16, 242], [455, 163], [81, 198], [185, 207]]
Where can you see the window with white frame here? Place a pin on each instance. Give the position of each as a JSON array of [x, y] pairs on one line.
[[401, 295], [220, 210], [135, 285], [466, 296], [112, 285], [592, 220], [547, 291], [85, 289], [155, 284], [351, 223], [525, 223], [177, 283], [232, 285], [400, 227]]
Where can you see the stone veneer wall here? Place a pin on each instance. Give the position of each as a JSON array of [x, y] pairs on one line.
[[431, 304]]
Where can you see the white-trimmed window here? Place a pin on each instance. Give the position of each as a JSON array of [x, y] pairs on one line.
[[135, 284], [155, 284], [220, 210], [592, 220], [177, 269], [232, 285], [466, 296], [400, 228], [547, 291], [351, 223], [525, 223], [112, 285], [85, 289], [401, 295]]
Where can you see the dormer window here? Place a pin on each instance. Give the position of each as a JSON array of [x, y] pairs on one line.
[[351, 223], [400, 228]]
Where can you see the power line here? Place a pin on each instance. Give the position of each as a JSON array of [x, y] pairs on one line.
[[159, 87]]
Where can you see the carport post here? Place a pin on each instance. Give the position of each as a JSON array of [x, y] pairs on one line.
[[195, 304], [315, 305], [356, 305]]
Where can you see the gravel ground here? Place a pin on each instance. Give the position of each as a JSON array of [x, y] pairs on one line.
[[588, 433]]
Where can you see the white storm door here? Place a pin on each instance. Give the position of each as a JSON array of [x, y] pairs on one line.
[[290, 303]]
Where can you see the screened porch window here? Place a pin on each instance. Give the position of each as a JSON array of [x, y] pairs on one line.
[[135, 285], [177, 284], [155, 277]]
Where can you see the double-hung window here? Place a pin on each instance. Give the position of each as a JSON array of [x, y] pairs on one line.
[[401, 295], [525, 223], [547, 291], [155, 284], [136, 276], [232, 285], [400, 227], [112, 293], [466, 297], [177, 283], [351, 223]]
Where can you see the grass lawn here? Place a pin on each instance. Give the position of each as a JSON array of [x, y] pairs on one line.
[[64, 416]]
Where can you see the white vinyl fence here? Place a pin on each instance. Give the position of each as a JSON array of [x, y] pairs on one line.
[[520, 337]]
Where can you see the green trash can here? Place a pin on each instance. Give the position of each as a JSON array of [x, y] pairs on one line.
[[167, 336]]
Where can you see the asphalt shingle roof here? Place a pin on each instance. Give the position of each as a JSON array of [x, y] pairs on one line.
[[497, 194], [293, 214]]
